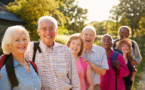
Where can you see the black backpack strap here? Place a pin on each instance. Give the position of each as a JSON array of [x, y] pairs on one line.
[[114, 45], [11, 72], [36, 46], [6, 59], [133, 45], [115, 79]]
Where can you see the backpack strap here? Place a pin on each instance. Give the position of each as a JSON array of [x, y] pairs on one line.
[[11, 72], [114, 57], [36, 46], [133, 45], [114, 45], [34, 66], [84, 65], [2, 60], [117, 50], [8, 61]]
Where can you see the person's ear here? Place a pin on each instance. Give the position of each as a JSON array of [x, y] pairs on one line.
[[9, 48], [38, 30], [111, 44], [56, 31]]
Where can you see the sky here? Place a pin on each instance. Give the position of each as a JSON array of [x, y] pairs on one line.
[[98, 10]]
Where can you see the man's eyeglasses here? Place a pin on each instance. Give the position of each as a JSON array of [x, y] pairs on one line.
[[107, 40], [50, 29], [89, 35]]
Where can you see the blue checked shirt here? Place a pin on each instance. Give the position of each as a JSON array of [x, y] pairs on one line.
[[97, 56]]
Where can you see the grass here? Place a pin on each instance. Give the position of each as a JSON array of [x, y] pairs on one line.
[[140, 68]]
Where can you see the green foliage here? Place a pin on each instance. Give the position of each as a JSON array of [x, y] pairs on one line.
[[77, 15], [62, 31], [105, 27], [62, 39], [66, 12], [31, 10], [129, 12]]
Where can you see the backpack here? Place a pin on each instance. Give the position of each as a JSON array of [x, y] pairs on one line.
[[7, 60], [114, 57], [114, 45]]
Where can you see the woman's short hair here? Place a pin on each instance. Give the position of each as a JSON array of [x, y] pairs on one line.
[[47, 18], [7, 38], [89, 27], [107, 35], [125, 41], [124, 27], [74, 37]]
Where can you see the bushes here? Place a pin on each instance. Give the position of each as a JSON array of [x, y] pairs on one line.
[[62, 39]]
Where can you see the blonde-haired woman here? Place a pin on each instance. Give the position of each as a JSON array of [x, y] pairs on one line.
[[125, 46], [17, 73], [76, 45]]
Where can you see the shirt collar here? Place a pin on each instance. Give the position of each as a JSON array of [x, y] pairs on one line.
[[92, 50], [44, 47], [17, 63]]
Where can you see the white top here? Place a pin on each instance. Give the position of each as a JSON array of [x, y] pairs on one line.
[[97, 56]]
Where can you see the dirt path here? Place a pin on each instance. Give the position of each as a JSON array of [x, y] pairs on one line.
[[141, 84]]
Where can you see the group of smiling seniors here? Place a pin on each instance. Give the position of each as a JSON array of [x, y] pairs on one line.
[[77, 66]]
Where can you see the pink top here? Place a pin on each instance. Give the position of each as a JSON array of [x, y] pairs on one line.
[[108, 80], [81, 74]]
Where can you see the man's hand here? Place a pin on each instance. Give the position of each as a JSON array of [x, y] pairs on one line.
[[116, 64], [87, 61], [130, 58]]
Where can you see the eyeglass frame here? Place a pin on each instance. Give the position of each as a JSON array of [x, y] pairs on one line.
[[44, 29]]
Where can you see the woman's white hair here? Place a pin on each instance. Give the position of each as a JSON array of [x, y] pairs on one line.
[[7, 38], [47, 18], [89, 27], [107, 35]]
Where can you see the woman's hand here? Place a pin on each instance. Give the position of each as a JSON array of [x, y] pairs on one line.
[[116, 64], [130, 58], [87, 61]]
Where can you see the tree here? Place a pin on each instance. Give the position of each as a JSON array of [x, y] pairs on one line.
[[31, 10], [77, 15], [129, 12]]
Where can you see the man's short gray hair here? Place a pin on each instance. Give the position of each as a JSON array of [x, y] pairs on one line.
[[89, 27], [124, 27], [47, 18], [7, 38]]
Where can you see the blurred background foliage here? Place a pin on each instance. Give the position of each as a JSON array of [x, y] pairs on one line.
[[71, 18]]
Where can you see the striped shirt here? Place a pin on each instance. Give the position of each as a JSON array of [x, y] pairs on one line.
[[56, 67], [97, 56]]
